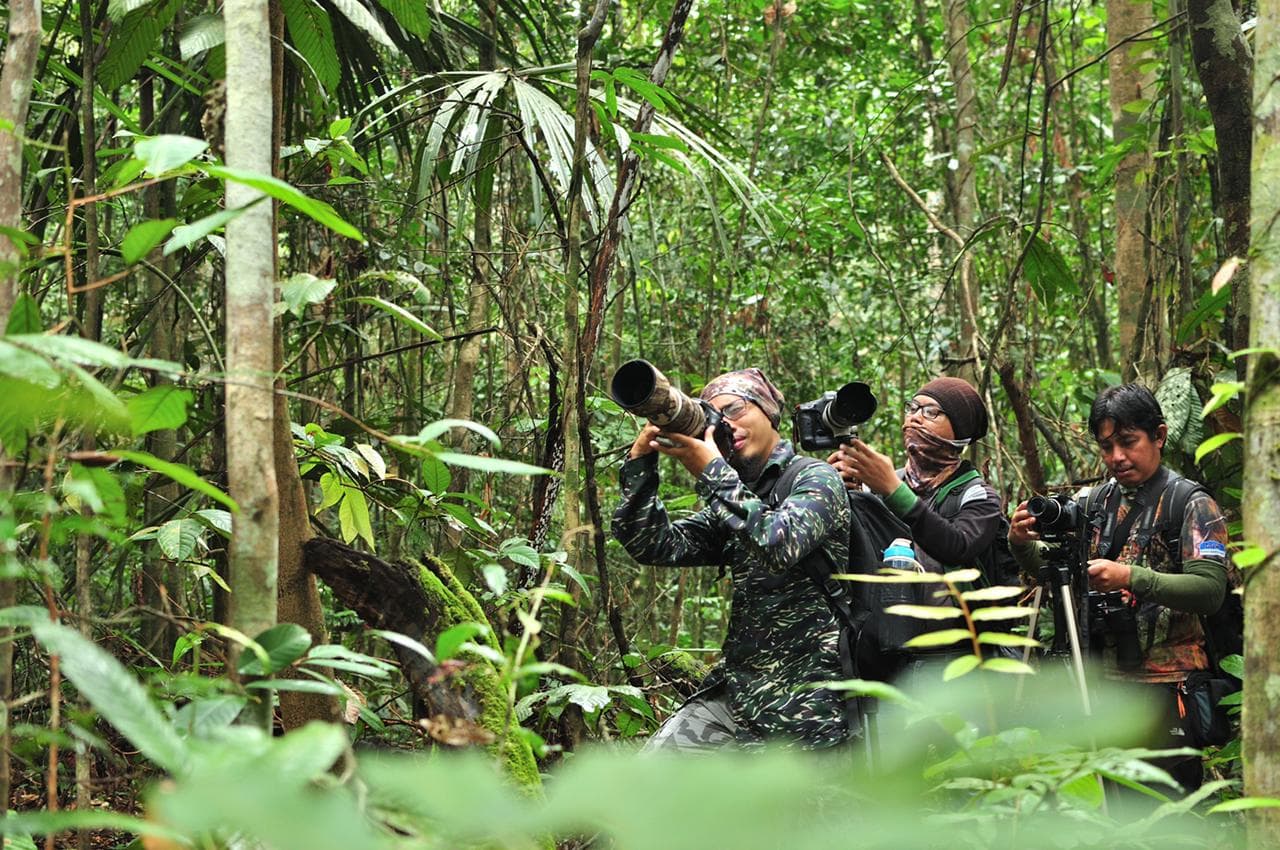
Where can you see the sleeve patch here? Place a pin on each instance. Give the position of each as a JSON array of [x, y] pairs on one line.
[[1211, 549], [975, 493]]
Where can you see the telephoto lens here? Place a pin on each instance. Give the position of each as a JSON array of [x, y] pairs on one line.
[[638, 387]]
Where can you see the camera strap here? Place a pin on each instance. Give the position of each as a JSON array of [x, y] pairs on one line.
[[1121, 534]]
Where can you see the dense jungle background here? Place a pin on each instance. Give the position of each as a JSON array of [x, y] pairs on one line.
[[310, 309]]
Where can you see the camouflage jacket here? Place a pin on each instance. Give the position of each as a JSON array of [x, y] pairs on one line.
[[1172, 639], [782, 636]]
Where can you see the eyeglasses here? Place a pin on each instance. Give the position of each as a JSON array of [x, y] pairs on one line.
[[929, 411], [735, 410]]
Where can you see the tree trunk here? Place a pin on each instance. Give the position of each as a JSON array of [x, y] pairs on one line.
[[1262, 449], [21, 52], [1225, 66], [250, 295], [1129, 83], [962, 192], [420, 601]]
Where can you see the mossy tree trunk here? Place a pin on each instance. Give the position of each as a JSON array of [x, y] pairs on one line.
[[457, 706], [1262, 446]]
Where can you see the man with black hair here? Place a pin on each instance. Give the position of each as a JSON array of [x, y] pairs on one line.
[[1170, 580], [783, 641]]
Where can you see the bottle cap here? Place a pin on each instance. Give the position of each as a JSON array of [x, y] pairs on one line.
[[900, 548]]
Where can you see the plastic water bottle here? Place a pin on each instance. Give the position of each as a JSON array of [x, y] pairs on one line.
[[900, 556]]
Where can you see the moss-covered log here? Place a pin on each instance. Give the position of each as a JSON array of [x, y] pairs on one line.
[[459, 707]]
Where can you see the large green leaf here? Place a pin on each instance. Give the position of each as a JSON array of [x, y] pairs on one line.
[[186, 235], [115, 693], [132, 41], [202, 33], [179, 538], [312, 36], [99, 490], [491, 464], [1048, 273], [181, 474], [283, 192], [164, 153], [1181, 405], [399, 313], [303, 289], [284, 643], [359, 15], [24, 318], [411, 16], [142, 237], [353, 517], [158, 408]]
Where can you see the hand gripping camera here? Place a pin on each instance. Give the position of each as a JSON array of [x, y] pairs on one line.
[[639, 388], [1061, 523], [833, 418]]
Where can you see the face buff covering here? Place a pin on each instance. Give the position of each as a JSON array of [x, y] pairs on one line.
[[930, 459]]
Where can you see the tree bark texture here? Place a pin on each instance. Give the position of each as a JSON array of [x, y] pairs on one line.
[[250, 294], [1125, 19], [1225, 66], [1262, 447], [21, 51], [459, 705]]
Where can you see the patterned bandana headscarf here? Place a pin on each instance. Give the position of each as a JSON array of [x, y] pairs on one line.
[[752, 385], [930, 459]]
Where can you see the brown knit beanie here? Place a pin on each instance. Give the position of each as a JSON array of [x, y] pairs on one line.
[[962, 404], [752, 385]]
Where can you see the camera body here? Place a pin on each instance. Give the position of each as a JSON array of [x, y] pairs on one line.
[[639, 388], [1111, 613], [832, 418], [1058, 518]]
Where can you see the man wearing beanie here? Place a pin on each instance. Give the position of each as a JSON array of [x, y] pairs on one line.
[[782, 639], [954, 517]]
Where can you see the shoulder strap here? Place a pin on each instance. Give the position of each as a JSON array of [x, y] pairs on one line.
[[786, 481], [951, 486]]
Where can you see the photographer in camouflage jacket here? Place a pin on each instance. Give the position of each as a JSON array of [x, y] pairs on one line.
[[782, 636]]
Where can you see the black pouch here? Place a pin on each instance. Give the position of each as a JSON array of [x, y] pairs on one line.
[[1206, 723]]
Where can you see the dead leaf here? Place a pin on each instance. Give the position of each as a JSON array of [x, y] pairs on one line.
[[1224, 275], [456, 731]]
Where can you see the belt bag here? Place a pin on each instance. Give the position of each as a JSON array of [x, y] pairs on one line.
[[1205, 722]]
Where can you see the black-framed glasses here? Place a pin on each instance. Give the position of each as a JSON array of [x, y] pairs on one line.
[[735, 410], [929, 411]]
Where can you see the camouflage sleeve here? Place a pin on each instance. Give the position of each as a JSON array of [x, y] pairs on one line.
[[1200, 586], [784, 535], [644, 529]]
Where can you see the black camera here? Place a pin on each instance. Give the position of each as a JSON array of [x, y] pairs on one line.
[[1110, 613], [832, 419], [1057, 517], [639, 388]]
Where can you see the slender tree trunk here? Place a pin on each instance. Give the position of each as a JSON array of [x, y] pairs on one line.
[[568, 430], [250, 294], [462, 398], [91, 328], [1262, 447], [21, 52], [299, 599], [1129, 83], [962, 192], [1225, 66]]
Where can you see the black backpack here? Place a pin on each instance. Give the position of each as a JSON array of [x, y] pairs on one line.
[[1223, 629], [876, 639]]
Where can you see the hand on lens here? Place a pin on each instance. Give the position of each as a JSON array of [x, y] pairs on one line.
[[856, 461], [1105, 575], [644, 444], [1022, 528], [695, 454]]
